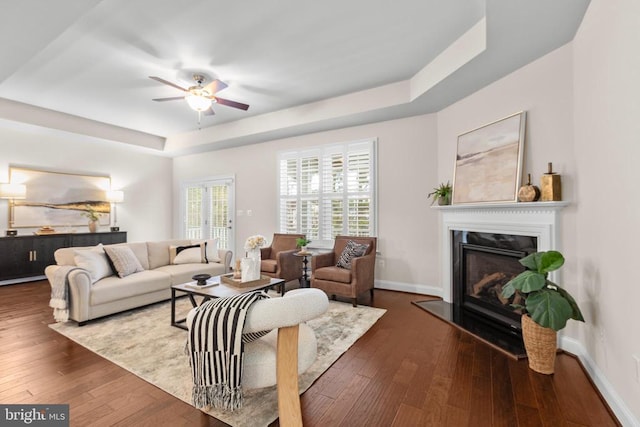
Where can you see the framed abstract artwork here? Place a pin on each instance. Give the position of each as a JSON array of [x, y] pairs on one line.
[[59, 199], [488, 166]]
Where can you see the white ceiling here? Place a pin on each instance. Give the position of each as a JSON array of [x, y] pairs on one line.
[[303, 66]]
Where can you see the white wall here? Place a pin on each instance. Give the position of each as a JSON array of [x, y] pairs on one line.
[[607, 150], [583, 115], [146, 213], [543, 89], [407, 228]]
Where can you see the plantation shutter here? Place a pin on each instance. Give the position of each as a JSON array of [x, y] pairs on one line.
[[328, 191]]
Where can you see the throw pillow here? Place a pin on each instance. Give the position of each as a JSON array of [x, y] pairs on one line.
[[93, 260], [351, 250], [211, 249], [123, 260], [191, 254]]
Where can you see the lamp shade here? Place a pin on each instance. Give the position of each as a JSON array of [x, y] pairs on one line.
[[13, 191], [115, 196]]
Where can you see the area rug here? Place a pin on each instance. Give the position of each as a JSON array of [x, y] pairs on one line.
[[142, 342]]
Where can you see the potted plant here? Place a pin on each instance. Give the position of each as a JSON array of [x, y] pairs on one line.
[[442, 194], [546, 310], [93, 217], [302, 243]]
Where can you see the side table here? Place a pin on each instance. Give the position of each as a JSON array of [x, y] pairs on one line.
[[304, 280]]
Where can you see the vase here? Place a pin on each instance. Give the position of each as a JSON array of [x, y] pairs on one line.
[[444, 200], [93, 226], [250, 265], [541, 345]]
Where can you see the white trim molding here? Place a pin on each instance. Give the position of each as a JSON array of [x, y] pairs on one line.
[[609, 394]]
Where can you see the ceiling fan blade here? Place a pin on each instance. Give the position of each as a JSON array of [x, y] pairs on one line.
[[166, 82], [215, 86], [209, 112], [173, 98], [230, 103]]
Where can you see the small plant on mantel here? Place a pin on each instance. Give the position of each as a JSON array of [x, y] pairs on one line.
[[441, 194], [546, 310]]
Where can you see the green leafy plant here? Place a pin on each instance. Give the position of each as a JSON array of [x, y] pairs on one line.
[[545, 302], [442, 194], [302, 241], [91, 213]]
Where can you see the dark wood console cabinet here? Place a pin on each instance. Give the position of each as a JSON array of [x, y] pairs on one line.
[[24, 258]]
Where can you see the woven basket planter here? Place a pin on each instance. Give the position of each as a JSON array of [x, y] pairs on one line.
[[541, 345]]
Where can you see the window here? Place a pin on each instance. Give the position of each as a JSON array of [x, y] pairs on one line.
[[328, 191]]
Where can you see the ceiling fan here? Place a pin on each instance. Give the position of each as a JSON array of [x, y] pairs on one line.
[[201, 97]]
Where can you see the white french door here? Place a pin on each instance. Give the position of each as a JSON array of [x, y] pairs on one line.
[[207, 211]]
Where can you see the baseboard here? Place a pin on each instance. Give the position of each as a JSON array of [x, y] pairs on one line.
[[609, 394], [409, 287], [21, 280]]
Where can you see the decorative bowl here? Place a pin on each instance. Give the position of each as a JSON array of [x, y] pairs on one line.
[[201, 279]]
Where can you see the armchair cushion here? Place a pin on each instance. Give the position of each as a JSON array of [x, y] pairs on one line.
[[334, 274], [350, 251], [269, 265]]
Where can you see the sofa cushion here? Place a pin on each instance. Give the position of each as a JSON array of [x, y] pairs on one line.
[[158, 252], [351, 250], [334, 274], [139, 249], [123, 259], [65, 256], [211, 247], [188, 254], [115, 288], [183, 273], [95, 261]]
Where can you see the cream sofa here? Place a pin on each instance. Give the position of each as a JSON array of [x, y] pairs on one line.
[[113, 294]]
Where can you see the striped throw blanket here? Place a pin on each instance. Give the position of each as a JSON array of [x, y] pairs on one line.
[[216, 350], [60, 293]]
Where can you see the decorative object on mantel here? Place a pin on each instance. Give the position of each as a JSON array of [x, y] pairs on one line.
[[528, 192], [551, 186], [441, 194], [250, 265], [547, 308], [489, 162]]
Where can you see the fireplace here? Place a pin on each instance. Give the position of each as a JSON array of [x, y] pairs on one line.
[[483, 263], [481, 247]]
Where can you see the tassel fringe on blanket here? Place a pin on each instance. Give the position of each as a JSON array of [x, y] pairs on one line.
[[216, 350], [60, 293]]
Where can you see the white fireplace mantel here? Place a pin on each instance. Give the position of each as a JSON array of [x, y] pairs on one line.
[[537, 219]]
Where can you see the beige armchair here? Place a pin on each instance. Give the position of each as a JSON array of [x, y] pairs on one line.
[[279, 261], [345, 282]]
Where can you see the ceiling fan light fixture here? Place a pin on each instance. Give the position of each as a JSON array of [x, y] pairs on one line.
[[198, 99]]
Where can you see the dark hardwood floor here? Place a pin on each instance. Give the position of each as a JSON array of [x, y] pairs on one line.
[[410, 369]]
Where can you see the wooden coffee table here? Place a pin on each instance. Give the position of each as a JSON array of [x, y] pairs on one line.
[[218, 290]]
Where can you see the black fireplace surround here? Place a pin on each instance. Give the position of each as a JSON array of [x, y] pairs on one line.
[[482, 263]]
